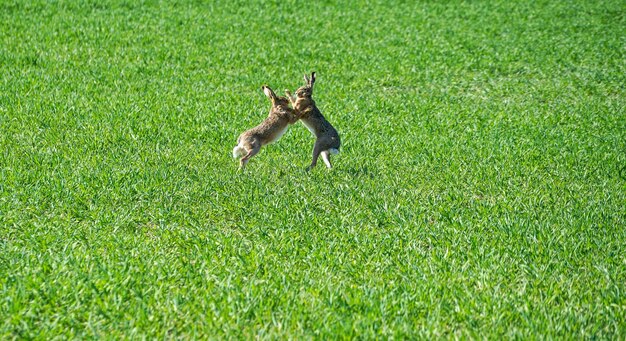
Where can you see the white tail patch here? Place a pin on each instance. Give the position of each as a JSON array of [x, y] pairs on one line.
[[334, 151], [238, 152]]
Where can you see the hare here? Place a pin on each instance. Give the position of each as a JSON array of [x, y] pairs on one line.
[[327, 139], [270, 130]]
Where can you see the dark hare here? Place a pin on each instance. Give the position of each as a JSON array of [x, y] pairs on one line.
[[327, 139]]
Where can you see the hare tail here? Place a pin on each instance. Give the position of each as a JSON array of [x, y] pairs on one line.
[[238, 152]]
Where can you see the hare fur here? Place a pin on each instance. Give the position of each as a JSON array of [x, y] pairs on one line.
[[327, 138], [281, 115]]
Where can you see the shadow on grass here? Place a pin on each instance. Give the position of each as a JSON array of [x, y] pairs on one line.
[[361, 172]]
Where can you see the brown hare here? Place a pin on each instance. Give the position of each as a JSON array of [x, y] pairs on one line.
[[270, 130], [327, 139]]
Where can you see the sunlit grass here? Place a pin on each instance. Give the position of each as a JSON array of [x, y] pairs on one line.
[[477, 193]]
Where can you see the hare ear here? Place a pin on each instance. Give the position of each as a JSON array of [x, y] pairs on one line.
[[306, 80], [269, 93], [312, 78]]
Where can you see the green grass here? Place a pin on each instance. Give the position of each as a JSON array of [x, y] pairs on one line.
[[477, 195]]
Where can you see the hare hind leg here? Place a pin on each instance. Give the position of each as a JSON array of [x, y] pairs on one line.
[[252, 152], [326, 158], [317, 149]]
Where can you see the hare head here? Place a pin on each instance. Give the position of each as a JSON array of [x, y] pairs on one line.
[[277, 102], [306, 91]]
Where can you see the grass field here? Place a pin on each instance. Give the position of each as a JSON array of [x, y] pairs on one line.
[[477, 195]]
